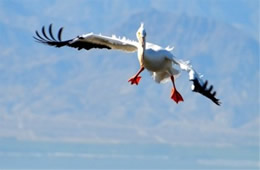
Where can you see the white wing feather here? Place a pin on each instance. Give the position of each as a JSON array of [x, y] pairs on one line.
[[113, 42], [198, 85], [186, 66], [87, 41]]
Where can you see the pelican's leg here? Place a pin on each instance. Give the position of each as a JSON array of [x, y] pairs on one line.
[[136, 78], [175, 95]]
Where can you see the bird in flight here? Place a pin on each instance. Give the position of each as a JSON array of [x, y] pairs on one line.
[[160, 62]]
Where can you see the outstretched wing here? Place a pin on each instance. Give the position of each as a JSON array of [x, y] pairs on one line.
[[86, 41], [198, 85]]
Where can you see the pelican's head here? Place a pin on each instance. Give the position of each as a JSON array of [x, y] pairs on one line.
[[141, 34]]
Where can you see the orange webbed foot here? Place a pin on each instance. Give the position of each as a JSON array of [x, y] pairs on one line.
[[176, 96], [134, 80]]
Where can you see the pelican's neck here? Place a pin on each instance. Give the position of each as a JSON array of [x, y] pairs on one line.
[[141, 50], [142, 44]]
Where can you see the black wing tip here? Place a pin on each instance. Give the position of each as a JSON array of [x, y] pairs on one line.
[[205, 91], [60, 33], [49, 39], [218, 102], [57, 42]]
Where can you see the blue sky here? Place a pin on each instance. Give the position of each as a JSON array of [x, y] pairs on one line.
[[63, 108]]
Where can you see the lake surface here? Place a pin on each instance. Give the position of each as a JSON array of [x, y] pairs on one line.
[[16, 154]]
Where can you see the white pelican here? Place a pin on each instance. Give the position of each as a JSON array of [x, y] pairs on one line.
[[157, 60]]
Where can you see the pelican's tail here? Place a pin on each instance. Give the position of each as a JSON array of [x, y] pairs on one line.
[[163, 77]]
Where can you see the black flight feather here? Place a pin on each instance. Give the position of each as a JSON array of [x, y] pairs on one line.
[[204, 91], [78, 43]]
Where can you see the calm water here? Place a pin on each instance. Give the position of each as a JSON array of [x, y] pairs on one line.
[[51, 155]]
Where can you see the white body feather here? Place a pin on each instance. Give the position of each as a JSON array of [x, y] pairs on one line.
[[159, 61]]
